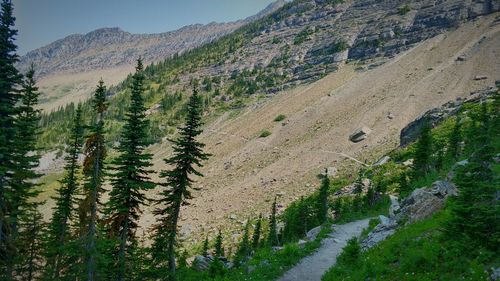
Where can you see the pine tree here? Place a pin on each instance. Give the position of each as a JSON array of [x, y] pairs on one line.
[[30, 259], [22, 182], [10, 79], [188, 154], [273, 228], [244, 246], [455, 139], [322, 207], [130, 179], [64, 210], [423, 151], [93, 170], [205, 247], [475, 210], [257, 233], [219, 249]]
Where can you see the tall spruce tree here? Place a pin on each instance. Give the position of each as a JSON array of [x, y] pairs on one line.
[[93, 169], [257, 233], [244, 247], [219, 248], [65, 201], [24, 156], [455, 139], [273, 227], [130, 180], [322, 207], [10, 79], [188, 154], [423, 151]]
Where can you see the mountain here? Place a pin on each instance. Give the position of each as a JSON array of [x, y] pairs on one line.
[[72, 65], [330, 67]]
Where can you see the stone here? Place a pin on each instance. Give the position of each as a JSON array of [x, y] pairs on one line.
[[480, 77], [250, 268], [313, 233], [390, 116], [461, 58], [495, 274], [277, 248], [423, 202], [330, 172], [301, 243], [233, 216], [382, 161], [378, 234], [360, 134], [202, 263]]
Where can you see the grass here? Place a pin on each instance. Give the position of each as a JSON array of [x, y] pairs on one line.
[[416, 252]]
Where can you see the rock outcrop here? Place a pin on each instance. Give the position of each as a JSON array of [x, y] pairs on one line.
[[435, 116], [421, 203]]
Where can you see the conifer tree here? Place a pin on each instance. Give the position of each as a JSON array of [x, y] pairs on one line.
[[24, 156], [10, 79], [475, 210], [244, 248], [130, 180], [423, 151], [205, 247], [455, 139], [188, 154], [93, 170], [65, 201], [32, 236], [219, 249], [257, 233], [322, 207], [273, 228]]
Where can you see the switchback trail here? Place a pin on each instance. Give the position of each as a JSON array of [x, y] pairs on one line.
[[314, 266]]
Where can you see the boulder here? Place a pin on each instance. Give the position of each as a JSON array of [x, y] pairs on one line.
[[360, 134], [379, 233], [202, 263], [480, 77], [301, 243], [313, 233], [425, 201], [330, 172], [382, 161]]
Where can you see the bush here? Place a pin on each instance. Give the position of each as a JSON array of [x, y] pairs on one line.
[[279, 118], [264, 134], [403, 10]]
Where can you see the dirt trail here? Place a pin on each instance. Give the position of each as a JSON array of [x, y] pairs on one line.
[[314, 266]]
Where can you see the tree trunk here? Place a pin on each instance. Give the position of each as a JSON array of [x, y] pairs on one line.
[[172, 238], [123, 248]]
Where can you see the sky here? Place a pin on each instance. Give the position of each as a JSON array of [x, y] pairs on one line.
[[40, 22]]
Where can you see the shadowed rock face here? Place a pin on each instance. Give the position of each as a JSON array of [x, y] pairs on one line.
[[110, 47]]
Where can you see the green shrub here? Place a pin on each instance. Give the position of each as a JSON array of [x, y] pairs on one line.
[[403, 10], [279, 118], [264, 134]]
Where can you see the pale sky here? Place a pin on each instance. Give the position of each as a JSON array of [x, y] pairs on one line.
[[41, 22]]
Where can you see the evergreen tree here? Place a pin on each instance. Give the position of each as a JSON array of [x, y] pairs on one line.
[[455, 139], [130, 179], [10, 79], [93, 170], [244, 248], [322, 207], [273, 228], [65, 200], [257, 233], [205, 247], [423, 151], [25, 159], [219, 249], [475, 210], [188, 154], [30, 259]]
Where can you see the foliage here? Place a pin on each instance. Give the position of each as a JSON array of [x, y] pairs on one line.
[[279, 118], [264, 134]]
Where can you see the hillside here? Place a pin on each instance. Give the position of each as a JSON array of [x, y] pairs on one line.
[[68, 68], [249, 171]]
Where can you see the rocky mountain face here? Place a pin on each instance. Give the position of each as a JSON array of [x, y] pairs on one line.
[[310, 38], [110, 47]]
